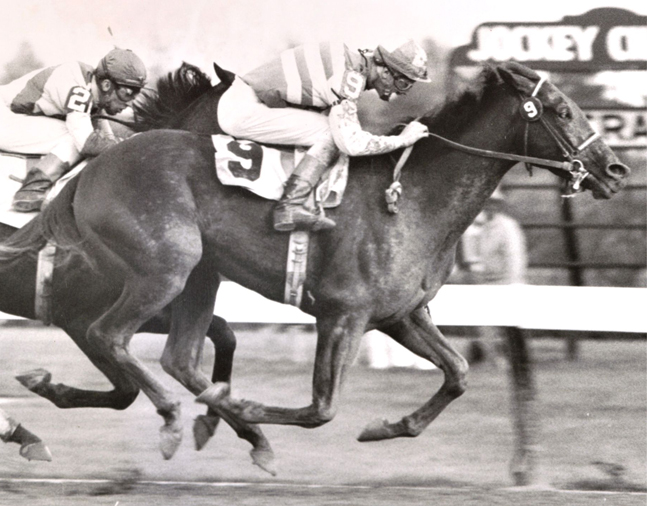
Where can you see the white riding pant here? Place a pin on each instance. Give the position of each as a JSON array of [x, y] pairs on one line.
[[36, 135], [242, 115]]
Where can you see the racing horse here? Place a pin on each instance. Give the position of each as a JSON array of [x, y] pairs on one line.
[[152, 213], [84, 294], [80, 296]]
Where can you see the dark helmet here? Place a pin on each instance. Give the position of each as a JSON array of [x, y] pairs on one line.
[[124, 67], [406, 57]]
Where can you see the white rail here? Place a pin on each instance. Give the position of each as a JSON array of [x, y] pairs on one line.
[[526, 306], [606, 309]]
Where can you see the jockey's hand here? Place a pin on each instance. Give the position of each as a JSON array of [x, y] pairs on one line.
[[412, 133]]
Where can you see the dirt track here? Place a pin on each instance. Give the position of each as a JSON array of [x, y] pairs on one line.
[[272, 495], [592, 410]]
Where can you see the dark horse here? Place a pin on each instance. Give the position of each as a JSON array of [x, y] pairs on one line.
[[152, 215], [81, 294]]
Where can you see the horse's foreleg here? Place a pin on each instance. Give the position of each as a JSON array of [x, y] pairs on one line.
[[417, 333], [192, 316], [337, 344], [224, 343], [31, 446]]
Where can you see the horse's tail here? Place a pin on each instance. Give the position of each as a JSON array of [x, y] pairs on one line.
[[55, 224]]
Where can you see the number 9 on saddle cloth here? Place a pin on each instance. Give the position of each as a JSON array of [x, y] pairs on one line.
[[264, 170]]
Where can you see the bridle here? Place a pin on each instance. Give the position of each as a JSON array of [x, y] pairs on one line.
[[531, 109]]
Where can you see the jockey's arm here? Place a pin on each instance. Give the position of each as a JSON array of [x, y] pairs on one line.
[[353, 140], [89, 142]]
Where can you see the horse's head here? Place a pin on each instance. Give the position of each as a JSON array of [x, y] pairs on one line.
[[557, 129]]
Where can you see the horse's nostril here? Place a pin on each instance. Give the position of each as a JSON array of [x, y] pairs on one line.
[[618, 170]]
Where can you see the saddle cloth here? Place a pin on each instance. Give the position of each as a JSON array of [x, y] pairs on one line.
[[264, 170]]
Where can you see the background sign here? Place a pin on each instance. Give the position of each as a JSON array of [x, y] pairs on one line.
[[621, 128], [601, 39]]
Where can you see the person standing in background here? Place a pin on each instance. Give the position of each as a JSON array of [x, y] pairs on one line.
[[492, 251]]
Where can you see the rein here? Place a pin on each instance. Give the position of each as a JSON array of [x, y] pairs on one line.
[[531, 110]]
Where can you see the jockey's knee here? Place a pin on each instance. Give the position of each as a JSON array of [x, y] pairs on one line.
[[67, 152], [324, 149]]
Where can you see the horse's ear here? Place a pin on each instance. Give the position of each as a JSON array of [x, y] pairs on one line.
[[226, 77], [518, 76]]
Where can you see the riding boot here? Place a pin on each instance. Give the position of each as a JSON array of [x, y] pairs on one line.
[[39, 180], [291, 213]]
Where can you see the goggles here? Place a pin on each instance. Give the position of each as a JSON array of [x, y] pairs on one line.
[[126, 93], [401, 82]]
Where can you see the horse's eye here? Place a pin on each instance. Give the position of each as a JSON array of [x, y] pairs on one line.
[[564, 112]]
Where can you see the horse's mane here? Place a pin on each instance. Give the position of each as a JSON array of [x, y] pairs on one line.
[[459, 109], [175, 93]]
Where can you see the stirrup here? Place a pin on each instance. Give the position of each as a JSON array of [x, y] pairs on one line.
[[27, 200], [289, 218]]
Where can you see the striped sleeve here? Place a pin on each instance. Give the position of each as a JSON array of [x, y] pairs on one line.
[[24, 102], [312, 75]]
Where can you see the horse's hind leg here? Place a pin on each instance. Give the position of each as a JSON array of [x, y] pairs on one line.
[[417, 333], [192, 314], [31, 446], [143, 296], [63, 396]]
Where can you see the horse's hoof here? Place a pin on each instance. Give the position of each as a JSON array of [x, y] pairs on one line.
[[33, 379], [213, 395], [36, 451], [375, 431], [169, 441], [204, 427], [264, 459]]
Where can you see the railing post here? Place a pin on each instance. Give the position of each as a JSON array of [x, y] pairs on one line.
[[523, 467], [575, 269]]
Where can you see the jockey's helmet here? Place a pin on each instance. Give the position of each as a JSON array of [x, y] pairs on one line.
[[122, 67], [405, 57]]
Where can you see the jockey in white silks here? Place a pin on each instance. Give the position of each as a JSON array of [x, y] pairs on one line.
[[48, 112], [308, 97]]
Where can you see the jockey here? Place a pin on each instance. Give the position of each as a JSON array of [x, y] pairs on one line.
[[308, 97], [47, 112]]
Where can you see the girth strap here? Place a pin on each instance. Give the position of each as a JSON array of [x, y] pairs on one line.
[[297, 264], [44, 278]]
